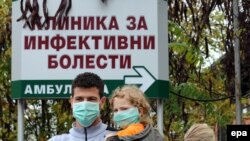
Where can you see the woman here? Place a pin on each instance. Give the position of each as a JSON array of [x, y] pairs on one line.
[[199, 132], [131, 114]]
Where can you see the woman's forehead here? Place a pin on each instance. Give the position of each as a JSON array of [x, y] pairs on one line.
[[118, 101]]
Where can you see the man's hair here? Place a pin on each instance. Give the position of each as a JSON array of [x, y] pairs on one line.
[[88, 80], [136, 98], [199, 132]]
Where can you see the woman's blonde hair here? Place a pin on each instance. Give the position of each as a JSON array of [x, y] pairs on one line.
[[199, 132], [135, 97]]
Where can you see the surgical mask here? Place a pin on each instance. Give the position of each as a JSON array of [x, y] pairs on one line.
[[126, 117], [86, 112]]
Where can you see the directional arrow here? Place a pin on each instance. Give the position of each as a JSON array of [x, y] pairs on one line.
[[144, 78]]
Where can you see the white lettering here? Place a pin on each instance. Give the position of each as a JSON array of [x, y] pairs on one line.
[[28, 90], [238, 133], [59, 89], [50, 89], [106, 91], [233, 133], [39, 89], [244, 133], [67, 89]]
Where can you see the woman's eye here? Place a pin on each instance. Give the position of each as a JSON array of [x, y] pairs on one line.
[[123, 109]]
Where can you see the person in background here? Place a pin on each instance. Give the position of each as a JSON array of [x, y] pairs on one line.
[[199, 132], [131, 114], [86, 101]]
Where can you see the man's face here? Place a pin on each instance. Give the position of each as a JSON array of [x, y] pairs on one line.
[[87, 94]]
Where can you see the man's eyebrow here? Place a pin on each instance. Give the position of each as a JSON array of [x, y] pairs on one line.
[[93, 97], [78, 96]]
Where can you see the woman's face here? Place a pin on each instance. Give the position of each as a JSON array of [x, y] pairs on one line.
[[121, 104]]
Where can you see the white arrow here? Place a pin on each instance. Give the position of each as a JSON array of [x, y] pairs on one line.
[[144, 78]]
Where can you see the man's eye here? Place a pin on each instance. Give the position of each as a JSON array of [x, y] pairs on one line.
[[78, 99], [92, 99]]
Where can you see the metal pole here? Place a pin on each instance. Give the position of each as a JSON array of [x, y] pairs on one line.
[[237, 61], [20, 131], [160, 115]]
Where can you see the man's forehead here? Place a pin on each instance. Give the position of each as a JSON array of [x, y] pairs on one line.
[[86, 92], [86, 96]]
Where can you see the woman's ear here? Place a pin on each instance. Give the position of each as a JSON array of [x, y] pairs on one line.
[[141, 111]]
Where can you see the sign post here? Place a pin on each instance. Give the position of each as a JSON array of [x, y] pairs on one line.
[[160, 115], [20, 124], [124, 42]]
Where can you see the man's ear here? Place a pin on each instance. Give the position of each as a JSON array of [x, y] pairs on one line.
[[71, 101], [102, 101]]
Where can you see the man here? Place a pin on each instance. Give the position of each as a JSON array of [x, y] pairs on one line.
[[86, 101]]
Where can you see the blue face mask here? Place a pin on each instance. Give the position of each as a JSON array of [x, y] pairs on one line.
[[126, 117], [86, 112]]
